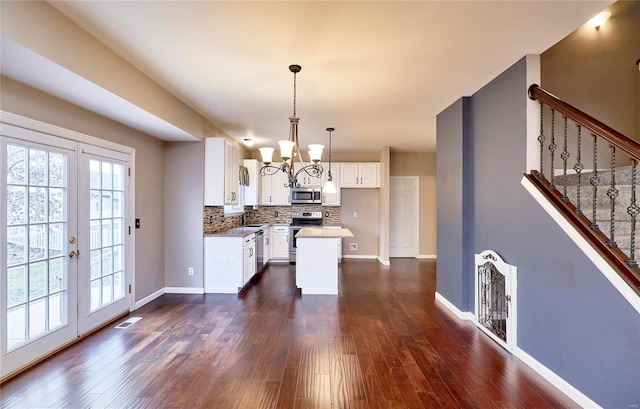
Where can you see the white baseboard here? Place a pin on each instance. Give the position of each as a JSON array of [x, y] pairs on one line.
[[564, 386], [221, 290], [427, 256], [467, 316], [149, 298], [359, 256], [184, 290]]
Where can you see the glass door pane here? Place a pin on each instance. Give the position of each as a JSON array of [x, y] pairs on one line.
[[38, 216], [102, 203]]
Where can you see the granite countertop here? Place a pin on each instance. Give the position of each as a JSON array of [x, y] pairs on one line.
[[239, 231], [330, 232]]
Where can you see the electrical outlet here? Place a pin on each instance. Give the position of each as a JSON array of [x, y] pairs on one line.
[[210, 219], [326, 214], [190, 271], [353, 246], [275, 214]]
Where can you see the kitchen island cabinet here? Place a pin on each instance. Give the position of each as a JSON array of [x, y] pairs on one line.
[[317, 259]]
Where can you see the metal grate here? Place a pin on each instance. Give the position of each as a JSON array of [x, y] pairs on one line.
[[129, 322], [493, 306]]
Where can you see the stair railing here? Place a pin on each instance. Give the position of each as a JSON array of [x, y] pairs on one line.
[[570, 204]]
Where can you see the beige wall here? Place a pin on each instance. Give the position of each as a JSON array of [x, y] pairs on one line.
[[41, 28], [422, 165], [365, 226], [183, 198], [383, 203], [149, 196], [595, 70]]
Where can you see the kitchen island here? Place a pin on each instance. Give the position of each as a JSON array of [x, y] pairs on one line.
[[317, 259]]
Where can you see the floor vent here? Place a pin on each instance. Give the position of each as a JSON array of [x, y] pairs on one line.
[[128, 323], [495, 295]]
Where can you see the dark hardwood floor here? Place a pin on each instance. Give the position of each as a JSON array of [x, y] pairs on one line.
[[384, 342]]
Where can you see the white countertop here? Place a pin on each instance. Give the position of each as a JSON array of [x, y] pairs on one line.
[[329, 232]]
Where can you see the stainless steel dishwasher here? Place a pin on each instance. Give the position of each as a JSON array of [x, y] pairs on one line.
[[259, 250]]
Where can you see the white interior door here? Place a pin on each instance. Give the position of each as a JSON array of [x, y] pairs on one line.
[[403, 217], [102, 204], [39, 230]]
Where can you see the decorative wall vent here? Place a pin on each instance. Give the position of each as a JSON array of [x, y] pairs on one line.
[[496, 285]]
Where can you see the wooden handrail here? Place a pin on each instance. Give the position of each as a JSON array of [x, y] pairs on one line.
[[615, 138]]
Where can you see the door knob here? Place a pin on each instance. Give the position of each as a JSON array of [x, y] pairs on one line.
[[72, 239], [73, 254]]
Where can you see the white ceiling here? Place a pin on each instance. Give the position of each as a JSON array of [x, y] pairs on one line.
[[379, 72]]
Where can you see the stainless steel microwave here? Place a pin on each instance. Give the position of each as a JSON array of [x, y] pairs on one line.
[[306, 195]]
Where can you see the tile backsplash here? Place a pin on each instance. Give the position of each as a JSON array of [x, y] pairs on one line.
[[214, 221]]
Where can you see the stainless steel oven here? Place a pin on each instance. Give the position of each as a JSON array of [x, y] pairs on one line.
[[306, 195], [300, 220]]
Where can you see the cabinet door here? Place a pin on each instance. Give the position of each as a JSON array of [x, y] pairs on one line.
[[349, 176], [332, 199], [280, 195], [265, 189], [231, 171], [253, 192], [267, 246], [280, 245], [311, 181], [369, 174], [246, 264]]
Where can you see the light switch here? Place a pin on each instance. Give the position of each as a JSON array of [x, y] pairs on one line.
[[137, 223]]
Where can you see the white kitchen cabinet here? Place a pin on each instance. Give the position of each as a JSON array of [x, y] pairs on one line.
[[221, 172], [310, 181], [331, 199], [266, 245], [274, 193], [249, 267], [360, 175], [225, 261], [280, 243], [253, 192]]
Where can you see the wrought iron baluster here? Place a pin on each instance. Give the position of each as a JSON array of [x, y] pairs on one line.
[[595, 180], [578, 168], [633, 211], [541, 139], [552, 147], [565, 156], [612, 193]]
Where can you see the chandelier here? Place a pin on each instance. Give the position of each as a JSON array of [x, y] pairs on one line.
[[290, 149]]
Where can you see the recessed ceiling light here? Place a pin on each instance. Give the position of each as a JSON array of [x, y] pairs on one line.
[[600, 19], [248, 142]]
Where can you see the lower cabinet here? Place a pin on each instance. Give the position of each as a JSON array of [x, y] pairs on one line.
[[249, 267], [266, 246], [280, 243], [228, 263]]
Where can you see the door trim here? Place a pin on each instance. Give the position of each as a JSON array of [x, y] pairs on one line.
[[416, 208], [17, 121]]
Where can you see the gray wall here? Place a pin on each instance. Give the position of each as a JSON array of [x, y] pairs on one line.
[[570, 318], [23, 100], [452, 179], [183, 229]]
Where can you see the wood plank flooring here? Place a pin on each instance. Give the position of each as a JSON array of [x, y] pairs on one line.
[[384, 342]]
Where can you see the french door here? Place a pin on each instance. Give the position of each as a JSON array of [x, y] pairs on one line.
[[63, 242]]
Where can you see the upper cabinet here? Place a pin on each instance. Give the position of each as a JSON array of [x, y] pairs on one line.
[[311, 181], [274, 193], [221, 172], [253, 192], [331, 199], [360, 175]]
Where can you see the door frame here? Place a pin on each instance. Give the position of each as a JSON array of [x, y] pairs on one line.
[[416, 210], [15, 122]]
